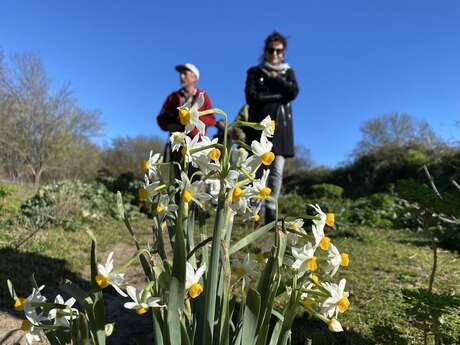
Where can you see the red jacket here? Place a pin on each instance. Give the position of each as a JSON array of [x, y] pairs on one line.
[[170, 115]]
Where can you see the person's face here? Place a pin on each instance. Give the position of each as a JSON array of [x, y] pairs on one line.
[[187, 78], [274, 53]]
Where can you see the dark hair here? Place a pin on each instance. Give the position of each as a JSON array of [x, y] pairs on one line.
[[275, 37]]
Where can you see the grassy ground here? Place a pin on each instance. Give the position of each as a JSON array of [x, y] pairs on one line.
[[383, 262]]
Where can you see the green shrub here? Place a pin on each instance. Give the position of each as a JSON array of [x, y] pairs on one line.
[[326, 190], [69, 203]]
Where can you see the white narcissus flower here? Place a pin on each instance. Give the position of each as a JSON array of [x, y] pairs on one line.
[[268, 126], [165, 208], [244, 268], [33, 331], [252, 213], [149, 166], [296, 226], [149, 190], [241, 155], [259, 187], [262, 154], [318, 229], [189, 145], [305, 259], [142, 300], [106, 277], [177, 139], [62, 316], [27, 304], [189, 115], [239, 200], [338, 301], [204, 163], [192, 280], [334, 260], [192, 191]]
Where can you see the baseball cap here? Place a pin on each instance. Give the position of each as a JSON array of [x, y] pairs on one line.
[[190, 67]]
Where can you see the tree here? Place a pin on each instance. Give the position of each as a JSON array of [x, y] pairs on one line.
[[39, 128], [125, 154], [395, 130]]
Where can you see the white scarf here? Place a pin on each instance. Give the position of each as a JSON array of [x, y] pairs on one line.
[[279, 68]]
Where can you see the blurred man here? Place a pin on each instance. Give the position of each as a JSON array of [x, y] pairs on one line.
[[168, 118]]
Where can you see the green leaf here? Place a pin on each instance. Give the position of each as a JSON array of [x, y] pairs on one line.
[[157, 327], [74, 290], [276, 333], [213, 276], [245, 241], [251, 315], [177, 284]]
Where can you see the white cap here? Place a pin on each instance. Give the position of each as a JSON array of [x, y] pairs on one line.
[[190, 67]]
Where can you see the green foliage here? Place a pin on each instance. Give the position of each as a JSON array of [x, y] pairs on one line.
[[425, 197], [440, 311], [69, 203], [416, 157], [326, 190]]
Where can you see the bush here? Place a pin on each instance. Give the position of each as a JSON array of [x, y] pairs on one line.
[[326, 190], [69, 203]]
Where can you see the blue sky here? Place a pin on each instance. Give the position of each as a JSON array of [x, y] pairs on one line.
[[354, 60]]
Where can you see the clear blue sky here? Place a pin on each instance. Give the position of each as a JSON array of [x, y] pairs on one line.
[[354, 59]]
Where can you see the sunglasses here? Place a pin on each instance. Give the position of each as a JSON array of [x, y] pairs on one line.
[[273, 50]]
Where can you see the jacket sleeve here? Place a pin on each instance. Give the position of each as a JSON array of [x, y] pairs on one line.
[[167, 115], [254, 96], [287, 85], [209, 120]]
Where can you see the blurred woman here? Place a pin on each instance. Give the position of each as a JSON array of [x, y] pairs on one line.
[[270, 88]]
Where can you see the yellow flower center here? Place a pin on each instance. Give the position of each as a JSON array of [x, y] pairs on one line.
[[214, 154], [184, 116], [19, 303], [255, 218], [143, 194], [267, 158], [308, 302], [324, 243], [315, 279], [241, 271], [311, 264], [273, 125], [343, 304], [330, 219], [265, 192], [237, 192], [102, 281], [195, 290], [345, 260], [141, 310], [145, 165], [160, 209], [187, 196], [25, 325]]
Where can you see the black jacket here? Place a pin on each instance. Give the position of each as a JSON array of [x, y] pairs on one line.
[[267, 95]]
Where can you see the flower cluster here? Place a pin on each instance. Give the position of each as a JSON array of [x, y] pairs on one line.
[[318, 295], [39, 314], [195, 282]]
